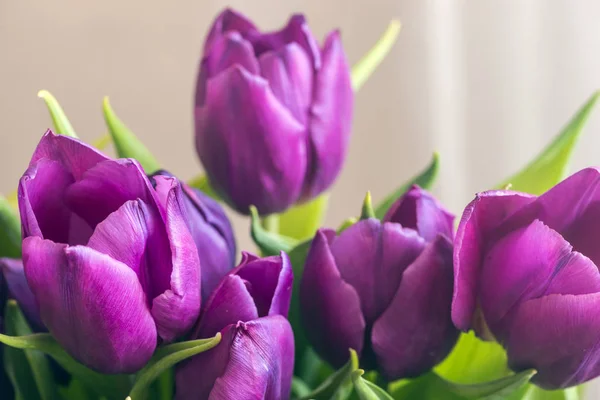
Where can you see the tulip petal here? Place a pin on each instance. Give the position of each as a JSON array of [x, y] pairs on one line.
[[229, 21], [106, 187], [577, 275], [270, 284], [290, 75], [484, 214], [14, 274], [231, 302], [41, 204], [242, 124], [213, 235], [416, 332], [557, 335], [330, 118], [176, 310], [75, 156], [330, 307], [92, 304], [372, 256], [420, 211]]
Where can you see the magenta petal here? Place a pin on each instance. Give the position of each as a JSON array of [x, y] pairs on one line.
[[558, 336], [371, 256], [14, 274], [106, 187], [330, 118], [228, 21], [92, 304], [416, 332], [41, 203], [175, 310], [480, 218], [290, 75], [330, 307], [243, 124], [230, 302], [76, 156]]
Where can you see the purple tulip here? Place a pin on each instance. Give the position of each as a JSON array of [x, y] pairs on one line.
[[255, 358], [526, 274], [273, 112], [212, 233], [383, 289], [109, 259], [18, 289]]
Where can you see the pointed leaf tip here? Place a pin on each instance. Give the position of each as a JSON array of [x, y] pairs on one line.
[[61, 123], [367, 208], [269, 243]]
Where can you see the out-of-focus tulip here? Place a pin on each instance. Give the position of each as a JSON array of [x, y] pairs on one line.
[[212, 233], [255, 358], [526, 274], [383, 289], [18, 289], [109, 259], [273, 112]]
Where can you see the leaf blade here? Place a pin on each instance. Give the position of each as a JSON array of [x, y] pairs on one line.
[[61, 123]]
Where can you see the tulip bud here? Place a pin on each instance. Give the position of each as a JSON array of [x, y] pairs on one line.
[[383, 290], [109, 259], [212, 233], [255, 358], [273, 113], [526, 274]]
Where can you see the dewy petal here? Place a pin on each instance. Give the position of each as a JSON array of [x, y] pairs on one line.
[[290, 75], [41, 201], [517, 268], [175, 310], [14, 274], [559, 336], [269, 282], [419, 210], [75, 156], [106, 187], [480, 218], [371, 256], [261, 361], [330, 118], [296, 31], [251, 146], [92, 304], [330, 307], [416, 332], [231, 302]]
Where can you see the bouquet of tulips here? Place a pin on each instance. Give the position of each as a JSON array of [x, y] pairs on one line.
[[121, 281]]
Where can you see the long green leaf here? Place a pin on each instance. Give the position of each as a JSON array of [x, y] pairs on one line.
[[165, 359], [126, 143], [551, 165], [302, 221], [335, 381], [367, 390], [61, 123], [29, 370], [425, 179], [362, 70], [498, 389], [10, 230], [269, 243]]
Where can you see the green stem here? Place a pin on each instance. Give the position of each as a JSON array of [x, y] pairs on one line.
[[271, 223]]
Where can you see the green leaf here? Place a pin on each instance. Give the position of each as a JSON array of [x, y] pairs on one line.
[[473, 360], [551, 165], [10, 230], [493, 390], [348, 222], [299, 388], [60, 121], [362, 70], [425, 179], [29, 371], [112, 386], [269, 243], [201, 183], [335, 381], [367, 208], [167, 357], [536, 393], [103, 142], [76, 391], [126, 143], [367, 390], [302, 221]]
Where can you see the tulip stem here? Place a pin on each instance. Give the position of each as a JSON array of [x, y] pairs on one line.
[[271, 223]]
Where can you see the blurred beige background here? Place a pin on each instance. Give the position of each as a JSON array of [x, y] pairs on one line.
[[486, 82]]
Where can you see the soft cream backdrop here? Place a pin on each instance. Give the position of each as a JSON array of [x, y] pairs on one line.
[[486, 83]]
